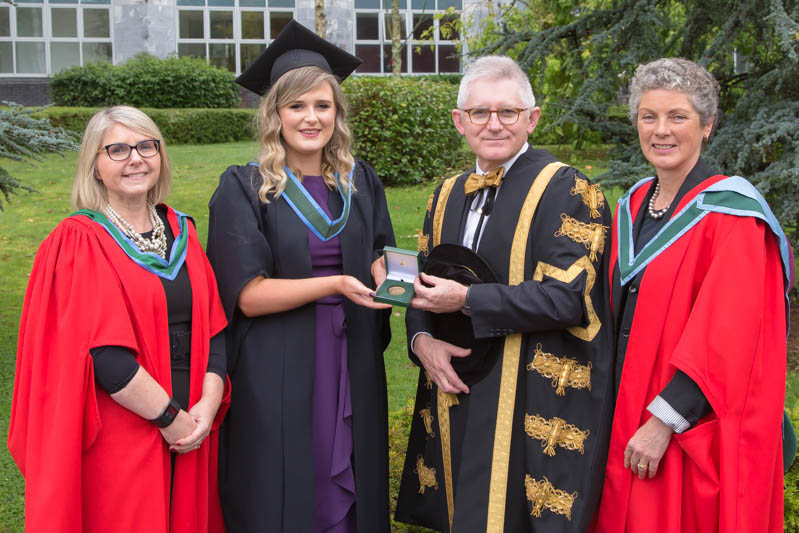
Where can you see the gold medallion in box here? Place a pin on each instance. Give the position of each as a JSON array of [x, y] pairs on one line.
[[402, 267]]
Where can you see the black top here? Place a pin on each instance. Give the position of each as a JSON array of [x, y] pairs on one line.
[[115, 366]]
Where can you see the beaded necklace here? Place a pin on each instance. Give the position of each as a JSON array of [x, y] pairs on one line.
[[156, 243], [657, 214]]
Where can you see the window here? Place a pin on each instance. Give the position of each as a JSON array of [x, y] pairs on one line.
[[426, 48], [230, 34], [42, 37]]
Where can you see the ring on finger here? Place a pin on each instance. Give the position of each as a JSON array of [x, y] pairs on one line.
[[642, 466]]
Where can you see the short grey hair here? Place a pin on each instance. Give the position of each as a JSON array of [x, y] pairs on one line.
[[676, 74], [496, 68]]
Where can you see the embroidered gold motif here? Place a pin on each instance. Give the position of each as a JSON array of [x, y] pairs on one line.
[[543, 495], [427, 475], [591, 194], [421, 242], [564, 372], [430, 202], [511, 352], [591, 235], [588, 332], [428, 383], [555, 432], [427, 418]]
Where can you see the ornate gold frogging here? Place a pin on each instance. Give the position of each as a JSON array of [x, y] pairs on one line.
[[591, 195], [427, 475], [555, 432], [542, 494], [427, 418], [421, 242], [564, 371], [588, 332], [589, 234], [428, 383]]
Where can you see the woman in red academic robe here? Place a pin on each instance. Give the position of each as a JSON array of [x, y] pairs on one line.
[[699, 280], [120, 378]]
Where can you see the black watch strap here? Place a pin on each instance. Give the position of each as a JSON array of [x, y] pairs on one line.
[[168, 416]]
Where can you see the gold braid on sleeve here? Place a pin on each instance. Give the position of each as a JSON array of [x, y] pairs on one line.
[[589, 234], [591, 195]]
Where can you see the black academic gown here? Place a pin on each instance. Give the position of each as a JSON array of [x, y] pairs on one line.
[[553, 311], [266, 443]]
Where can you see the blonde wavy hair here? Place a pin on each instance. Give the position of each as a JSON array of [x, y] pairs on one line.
[[89, 192], [336, 156]]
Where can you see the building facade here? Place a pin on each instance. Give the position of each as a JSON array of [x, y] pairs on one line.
[[38, 38]]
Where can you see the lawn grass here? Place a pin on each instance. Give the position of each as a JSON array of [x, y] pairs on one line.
[[28, 219]]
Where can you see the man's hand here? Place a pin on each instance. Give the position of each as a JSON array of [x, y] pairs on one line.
[[435, 356], [445, 296]]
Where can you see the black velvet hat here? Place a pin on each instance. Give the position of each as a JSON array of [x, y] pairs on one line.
[[296, 46], [458, 263]]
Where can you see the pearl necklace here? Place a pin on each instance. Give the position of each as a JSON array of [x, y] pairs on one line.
[[156, 243], [657, 214]]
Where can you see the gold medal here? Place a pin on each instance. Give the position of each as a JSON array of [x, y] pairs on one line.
[[396, 290]]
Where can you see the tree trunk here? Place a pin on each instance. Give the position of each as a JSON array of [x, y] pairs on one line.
[[396, 41], [319, 17]]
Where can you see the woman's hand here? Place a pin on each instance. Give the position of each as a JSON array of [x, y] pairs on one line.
[[203, 413], [646, 448], [379, 270], [358, 293], [182, 426]]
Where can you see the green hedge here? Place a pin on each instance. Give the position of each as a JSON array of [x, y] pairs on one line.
[[179, 126], [147, 81], [403, 127]]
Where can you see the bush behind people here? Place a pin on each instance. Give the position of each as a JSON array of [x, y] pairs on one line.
[[147, 81]]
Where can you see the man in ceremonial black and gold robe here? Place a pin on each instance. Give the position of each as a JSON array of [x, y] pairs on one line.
[[519, 446]]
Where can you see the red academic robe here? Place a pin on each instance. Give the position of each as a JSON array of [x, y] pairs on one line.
[[90, 465], [712, 305]]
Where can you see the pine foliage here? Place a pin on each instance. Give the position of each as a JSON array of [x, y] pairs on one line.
[[581, 56], [24, 138]]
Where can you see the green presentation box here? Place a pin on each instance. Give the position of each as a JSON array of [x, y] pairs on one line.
[[402, 267]]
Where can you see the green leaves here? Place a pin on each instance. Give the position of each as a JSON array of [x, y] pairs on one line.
[[403, 127], [147, 81]]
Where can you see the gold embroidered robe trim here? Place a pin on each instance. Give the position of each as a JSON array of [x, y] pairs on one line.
[[430, 202], [588, 332], [555, 432], [591, 194], [422, 241], [427, 475], [542, 494], [500, 459], [427, 420], [564, 371], [445, 401], [589, 234], [441, 206]]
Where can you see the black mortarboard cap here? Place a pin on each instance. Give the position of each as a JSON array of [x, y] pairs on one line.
[[296, 46], [458, 263]]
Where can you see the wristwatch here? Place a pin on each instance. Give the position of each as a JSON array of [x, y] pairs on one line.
[[168, 416]]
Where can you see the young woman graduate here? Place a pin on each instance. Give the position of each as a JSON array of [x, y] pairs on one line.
[[296, 241], [120, 357]]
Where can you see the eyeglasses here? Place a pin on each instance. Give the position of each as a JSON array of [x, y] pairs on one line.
[[507, 116], [122, 151]]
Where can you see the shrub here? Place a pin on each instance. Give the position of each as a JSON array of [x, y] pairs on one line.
[[147, 81], [179, 126], [403, 127]]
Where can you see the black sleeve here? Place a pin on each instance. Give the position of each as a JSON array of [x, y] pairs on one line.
[[685, 397], [114, 367], [217, 358]]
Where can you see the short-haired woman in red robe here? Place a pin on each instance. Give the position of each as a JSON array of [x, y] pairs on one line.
[[699, 297], [121, 363]]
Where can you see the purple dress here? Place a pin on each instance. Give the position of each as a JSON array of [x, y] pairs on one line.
[[334, 482]]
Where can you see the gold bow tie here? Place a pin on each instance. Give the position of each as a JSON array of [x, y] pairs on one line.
[[475, 182]]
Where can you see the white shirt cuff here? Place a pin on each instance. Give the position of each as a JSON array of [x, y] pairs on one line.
[[666, 413], [413, 341]]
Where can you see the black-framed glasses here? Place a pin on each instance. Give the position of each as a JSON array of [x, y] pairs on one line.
[[507, 115], [122, 151]]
